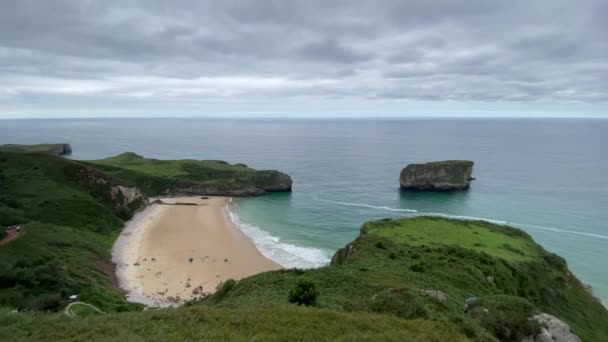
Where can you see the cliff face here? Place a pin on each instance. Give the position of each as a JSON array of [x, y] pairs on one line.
[[127, 200], [437, 176]]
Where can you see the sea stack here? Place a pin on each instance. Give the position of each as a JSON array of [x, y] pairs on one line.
[[448, 175]]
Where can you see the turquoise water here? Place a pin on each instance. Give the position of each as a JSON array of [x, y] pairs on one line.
[[548, 177]]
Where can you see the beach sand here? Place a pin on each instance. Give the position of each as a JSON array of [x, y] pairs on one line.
[[171, 253]]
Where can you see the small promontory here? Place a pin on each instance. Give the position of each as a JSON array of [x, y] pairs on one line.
[[187, 177], [445, 175], [59, 149]]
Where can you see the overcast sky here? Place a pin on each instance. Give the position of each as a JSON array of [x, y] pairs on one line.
[[303, 58]]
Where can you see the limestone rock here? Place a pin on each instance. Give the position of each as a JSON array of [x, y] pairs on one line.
[[437, 176], [343, 254], [552, 330], [439, 296]]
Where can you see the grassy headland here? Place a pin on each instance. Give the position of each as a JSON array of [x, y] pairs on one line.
[[407, 279], [192, 177]]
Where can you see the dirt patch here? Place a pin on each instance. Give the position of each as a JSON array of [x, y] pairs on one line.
[[10, 236], [109, 269]]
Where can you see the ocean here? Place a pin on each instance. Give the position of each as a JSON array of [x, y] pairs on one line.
[[548, 177]]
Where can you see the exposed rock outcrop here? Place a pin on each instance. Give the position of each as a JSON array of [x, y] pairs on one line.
[[343, 254], [60, 149], [437, 176], [552, 330], [265, 181], [127, 200], [439, 296]]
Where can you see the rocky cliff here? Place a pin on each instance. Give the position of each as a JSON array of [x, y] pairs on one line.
[[437, 176], [126, 199]]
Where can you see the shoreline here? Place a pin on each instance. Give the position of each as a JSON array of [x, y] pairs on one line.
[[170, 253]]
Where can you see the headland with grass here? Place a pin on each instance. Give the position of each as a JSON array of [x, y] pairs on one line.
[[423, 278]]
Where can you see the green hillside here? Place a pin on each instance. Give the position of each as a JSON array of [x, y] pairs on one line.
[[420, 279], [390, 265], [68, 227]]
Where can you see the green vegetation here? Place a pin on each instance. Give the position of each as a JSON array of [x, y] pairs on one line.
[[201, 323], [304, 293], [405, 279], [482, 237], [156, 177], [507, 317], [387, 271], [54, 149], [67, 233]]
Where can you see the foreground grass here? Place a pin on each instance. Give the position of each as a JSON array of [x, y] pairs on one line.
[[386, 270], [200, 323]]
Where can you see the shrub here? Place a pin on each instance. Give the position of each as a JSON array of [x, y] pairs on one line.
[[399, 302], [223, 288], [304, 293], [507, 317], [417, 267], [380, 245]]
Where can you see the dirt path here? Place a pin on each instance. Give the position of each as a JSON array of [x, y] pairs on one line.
[[10, 236], [68, 309]]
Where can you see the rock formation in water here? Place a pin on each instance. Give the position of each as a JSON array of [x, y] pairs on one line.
[[437, 176]]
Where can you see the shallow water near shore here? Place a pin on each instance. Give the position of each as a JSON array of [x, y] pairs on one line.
[[546, 176]]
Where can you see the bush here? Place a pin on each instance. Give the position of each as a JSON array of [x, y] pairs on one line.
[[417, 267], [304, 293], [223, 288], [400, 302], [506, 317]]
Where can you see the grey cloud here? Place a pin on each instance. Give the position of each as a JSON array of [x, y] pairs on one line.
[[464, 50]]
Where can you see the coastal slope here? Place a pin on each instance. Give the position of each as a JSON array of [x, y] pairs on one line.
[[447, 270], [193, 177], [70, 213]]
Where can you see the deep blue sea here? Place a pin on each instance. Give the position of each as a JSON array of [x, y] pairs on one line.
[[546, 176]]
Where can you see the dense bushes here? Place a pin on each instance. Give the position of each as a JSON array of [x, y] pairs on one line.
[[304, 293], [508, 318], [399, 302]]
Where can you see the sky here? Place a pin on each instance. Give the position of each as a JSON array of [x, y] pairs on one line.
[[309, 58]]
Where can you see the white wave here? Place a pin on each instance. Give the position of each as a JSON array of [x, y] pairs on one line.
[[559, 230], [368, 206], [285, 254]]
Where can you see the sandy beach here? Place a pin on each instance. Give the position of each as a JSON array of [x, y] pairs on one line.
[[182, 250]]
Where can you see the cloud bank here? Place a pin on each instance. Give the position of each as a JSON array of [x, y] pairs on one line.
[[222, 57]]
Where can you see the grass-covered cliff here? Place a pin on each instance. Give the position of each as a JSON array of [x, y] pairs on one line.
[[192, 177], [395, 268], [72, 211], [424, 279], [70, 215]]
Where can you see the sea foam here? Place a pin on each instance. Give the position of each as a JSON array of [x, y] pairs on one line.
[[363, 205], [284, 254]]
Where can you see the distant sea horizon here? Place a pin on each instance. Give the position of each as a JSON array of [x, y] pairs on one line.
[[546, 176]]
